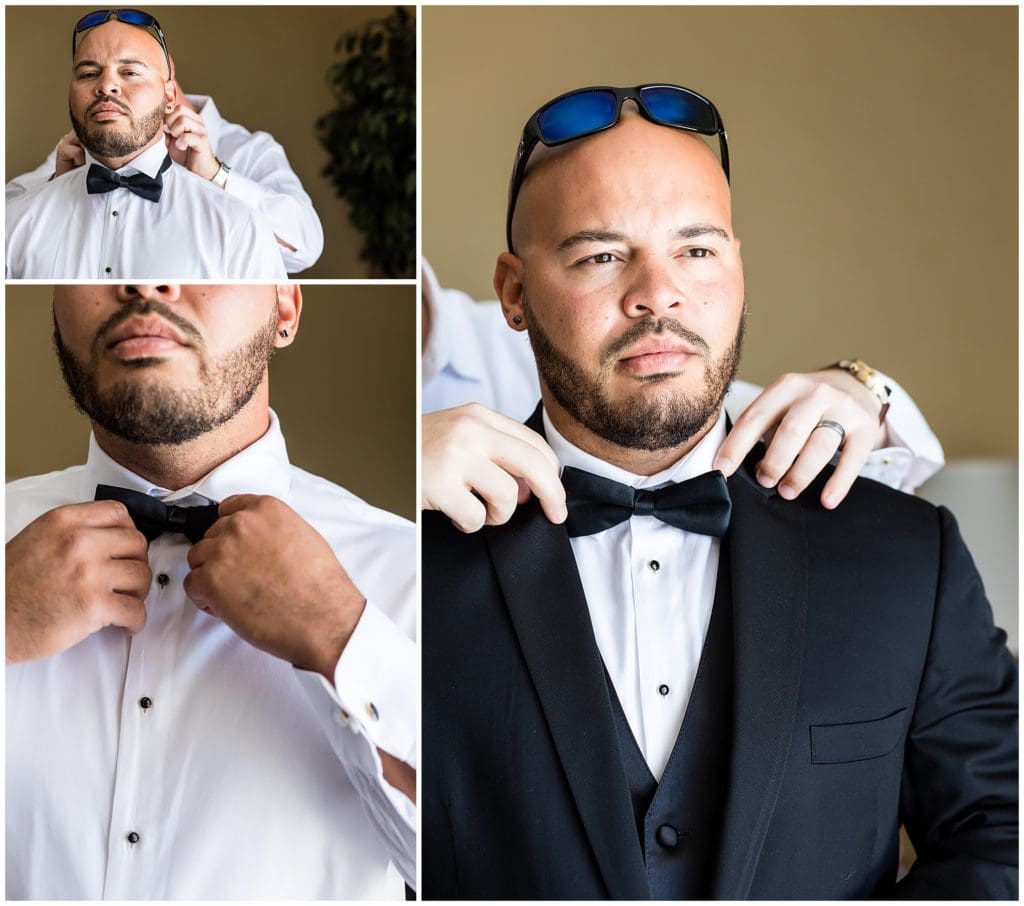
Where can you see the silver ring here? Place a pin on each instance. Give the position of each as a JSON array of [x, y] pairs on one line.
[[835, 426]]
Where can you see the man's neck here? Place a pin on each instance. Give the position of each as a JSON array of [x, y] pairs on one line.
[[638, 462], [175, 466], [115, 163]]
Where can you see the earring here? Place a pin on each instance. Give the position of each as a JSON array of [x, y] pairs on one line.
[[516, 319], [284, 333]]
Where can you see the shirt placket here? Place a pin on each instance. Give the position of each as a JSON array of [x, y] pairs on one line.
[[136, 846], [115, 210]]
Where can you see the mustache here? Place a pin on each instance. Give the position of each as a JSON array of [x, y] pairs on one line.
[[653, 327], [140, 307], [107, 100]]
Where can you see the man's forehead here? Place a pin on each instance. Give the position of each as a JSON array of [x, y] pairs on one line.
[[118, 38]]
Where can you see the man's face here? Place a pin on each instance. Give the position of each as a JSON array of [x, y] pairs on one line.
[[163, 365], [118, 92], [632, 284]]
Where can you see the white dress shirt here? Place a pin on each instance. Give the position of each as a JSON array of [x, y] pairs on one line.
[[59, 231], [260, 176], [243, 777], [471, 356], [650, 589]]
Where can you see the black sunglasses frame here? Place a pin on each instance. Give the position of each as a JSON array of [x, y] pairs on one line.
[[531, 136], [109, 14]]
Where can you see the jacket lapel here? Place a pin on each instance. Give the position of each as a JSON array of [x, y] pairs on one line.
[[769, 576], [537, 573]]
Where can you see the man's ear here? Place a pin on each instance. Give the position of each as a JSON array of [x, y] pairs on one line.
[[289, 310], [508, 284], [170, 95]]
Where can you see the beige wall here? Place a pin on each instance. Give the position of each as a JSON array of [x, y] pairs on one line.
[[264, 66], [345, 391], [874, 159]]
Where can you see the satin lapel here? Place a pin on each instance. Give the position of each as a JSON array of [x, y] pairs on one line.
[[537, 573], [769, 576]]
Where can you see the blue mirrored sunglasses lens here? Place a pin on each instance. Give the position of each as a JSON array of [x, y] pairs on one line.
[[576, 115], [92, 19], [679, 108], [136, 17]]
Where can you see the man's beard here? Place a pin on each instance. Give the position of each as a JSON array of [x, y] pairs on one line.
[[151, 413], [110, 142], [643, 421]]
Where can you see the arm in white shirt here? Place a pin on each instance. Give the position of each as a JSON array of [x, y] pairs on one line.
[[371, 707], [262, 177], [254, 253], [21, 184]]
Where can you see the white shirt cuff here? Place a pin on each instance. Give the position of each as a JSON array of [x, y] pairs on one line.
[[911, 453]]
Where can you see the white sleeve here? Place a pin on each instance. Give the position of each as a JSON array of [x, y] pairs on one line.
[[21, 184], [256, 254], [910, 453], [372, 705], [262, 177]]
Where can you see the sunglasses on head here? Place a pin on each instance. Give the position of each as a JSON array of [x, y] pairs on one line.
[[130, 17], [589, 110]]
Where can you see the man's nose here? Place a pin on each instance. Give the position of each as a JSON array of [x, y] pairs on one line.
[[655, 290], [109, 84], [149, 292]]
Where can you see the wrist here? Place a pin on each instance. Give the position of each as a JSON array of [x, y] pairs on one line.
[[869, 380], [220, 173]]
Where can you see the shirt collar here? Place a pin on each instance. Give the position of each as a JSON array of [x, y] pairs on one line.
[[261, 468], [148, 162], [696, 462], [451, 343], [212, 119]]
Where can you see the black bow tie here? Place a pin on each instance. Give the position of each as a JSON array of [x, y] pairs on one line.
[[153, 517], [700, 505], [99, 180]]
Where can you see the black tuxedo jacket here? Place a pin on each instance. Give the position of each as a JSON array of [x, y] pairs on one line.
[[871, 687]]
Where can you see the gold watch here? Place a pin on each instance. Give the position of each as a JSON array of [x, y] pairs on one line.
[[870, 378]]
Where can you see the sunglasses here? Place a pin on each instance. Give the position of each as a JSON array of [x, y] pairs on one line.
[[130, 17], [589, 110]]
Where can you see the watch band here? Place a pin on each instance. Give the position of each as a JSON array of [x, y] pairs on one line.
[[220, 178], [867, 375]]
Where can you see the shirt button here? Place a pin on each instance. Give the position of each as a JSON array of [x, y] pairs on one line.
[[163, 579], [887, 460], [371, 709], [107, 270], [133, 838], [654, 566], [663, 689], [113, 214], [145, 703], [667, 836]]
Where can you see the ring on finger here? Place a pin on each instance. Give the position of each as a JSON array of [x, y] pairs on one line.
[[835, 426]]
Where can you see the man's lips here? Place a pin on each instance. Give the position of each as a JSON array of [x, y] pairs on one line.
[[657, 356], [144, 337], [106, 111]]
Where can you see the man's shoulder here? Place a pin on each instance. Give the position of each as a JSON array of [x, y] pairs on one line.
[[58, 190], [28, 498], [319, 500]]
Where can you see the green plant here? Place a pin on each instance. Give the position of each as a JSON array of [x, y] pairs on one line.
[[371, 138]]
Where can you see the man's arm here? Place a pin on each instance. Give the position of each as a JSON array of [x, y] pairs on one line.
[[276, 582], [959, 794]]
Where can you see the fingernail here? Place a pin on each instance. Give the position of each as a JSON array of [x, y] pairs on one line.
[[561, 515], [765, 480], [829, 501], [787, 491]]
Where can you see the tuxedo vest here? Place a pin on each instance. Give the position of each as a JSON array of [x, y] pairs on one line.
[[679, 819]]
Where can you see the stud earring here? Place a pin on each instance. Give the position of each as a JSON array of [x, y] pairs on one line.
[[284, 333], [516, 319]]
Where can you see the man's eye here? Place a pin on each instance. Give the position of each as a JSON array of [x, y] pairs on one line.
[[599, 258], [699, 253]]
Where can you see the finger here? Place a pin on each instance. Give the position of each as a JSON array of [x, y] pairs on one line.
[[122, 543], [99, 514], [756, 421], [190, 141], [817, 453], [200, 552], [515, 429], [467, 512], [851, 461], [125, 611], [523, 460], [236, 503], [498, 490], [129, 577], [792, 435]]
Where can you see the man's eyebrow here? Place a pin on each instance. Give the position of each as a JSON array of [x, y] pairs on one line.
[[696, 230], [589, 236], [124, 61]]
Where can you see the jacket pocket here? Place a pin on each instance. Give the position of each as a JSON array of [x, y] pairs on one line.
[[836, 743]]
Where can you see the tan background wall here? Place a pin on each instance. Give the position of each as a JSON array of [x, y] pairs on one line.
[[264, 66], [874, 158], [345, 391]]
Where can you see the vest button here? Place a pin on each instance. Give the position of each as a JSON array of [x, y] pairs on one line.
[[667, 836]]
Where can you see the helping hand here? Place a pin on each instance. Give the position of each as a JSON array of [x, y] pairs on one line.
[[188, 143]]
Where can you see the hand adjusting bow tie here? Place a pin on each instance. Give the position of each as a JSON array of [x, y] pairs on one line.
[[153, 517], [99, 180], [700, 505]]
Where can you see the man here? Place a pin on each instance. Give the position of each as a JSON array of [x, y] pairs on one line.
[[724, 694], [255, 167], [133, 212], [479, 460], [213, 699]]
